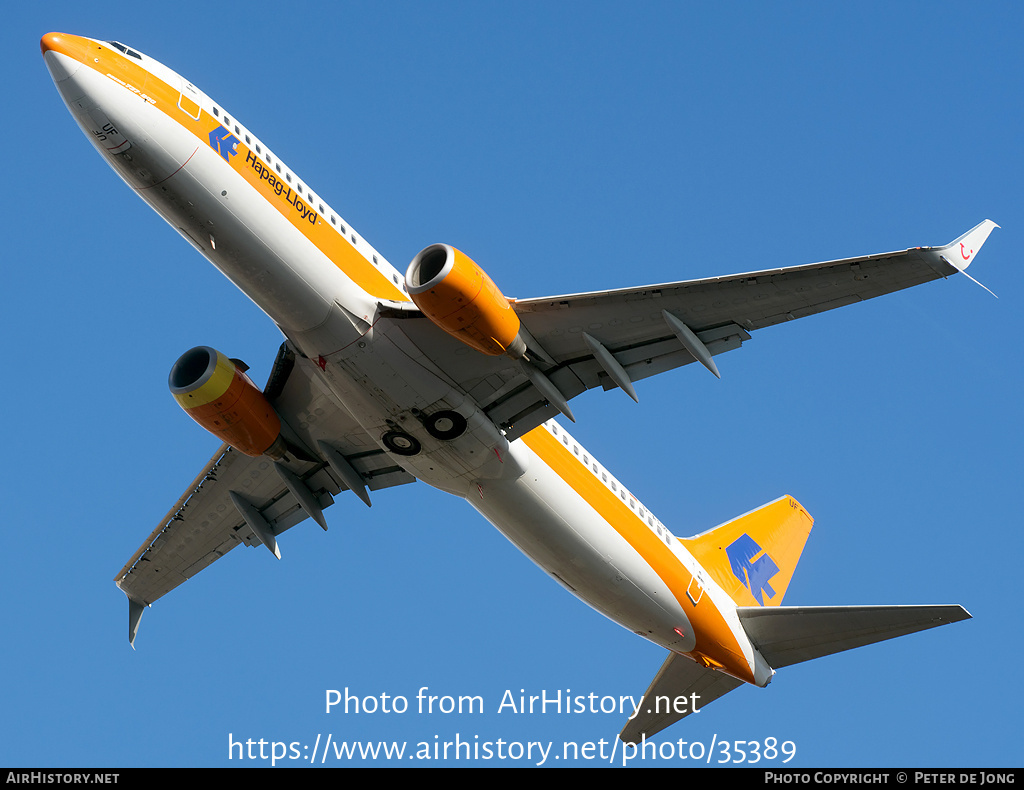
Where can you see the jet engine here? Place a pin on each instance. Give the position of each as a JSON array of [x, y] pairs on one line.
[[215, 392], [452, 291]]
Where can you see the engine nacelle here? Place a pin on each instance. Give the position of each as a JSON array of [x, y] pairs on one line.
[[216, 393], [453, 292]]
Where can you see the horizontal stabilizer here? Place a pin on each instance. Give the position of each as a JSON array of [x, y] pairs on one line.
[[787, 635], [670, 699]]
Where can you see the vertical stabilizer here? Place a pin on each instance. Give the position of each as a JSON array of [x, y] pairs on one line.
[[753, 557]]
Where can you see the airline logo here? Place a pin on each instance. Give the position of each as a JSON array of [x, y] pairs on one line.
[[224, 143], [753, 574], [281, 189]]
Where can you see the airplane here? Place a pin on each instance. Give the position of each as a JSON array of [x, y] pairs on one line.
[[437, 376]]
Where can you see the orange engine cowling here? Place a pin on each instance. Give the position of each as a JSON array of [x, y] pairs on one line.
[[215, 392], [453, 292]]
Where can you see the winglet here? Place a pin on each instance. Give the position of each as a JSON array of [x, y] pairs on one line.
[[135, 610], [962, 251]]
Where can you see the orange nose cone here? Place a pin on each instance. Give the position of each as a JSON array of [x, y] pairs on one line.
[[51, 41], [74, 47]]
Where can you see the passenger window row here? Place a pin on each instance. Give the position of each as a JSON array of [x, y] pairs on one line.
[[610, 482]]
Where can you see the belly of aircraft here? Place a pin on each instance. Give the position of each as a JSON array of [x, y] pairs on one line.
[[543, 517]]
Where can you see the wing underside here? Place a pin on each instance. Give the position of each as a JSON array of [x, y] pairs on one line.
[[239, 500], [610, 339]]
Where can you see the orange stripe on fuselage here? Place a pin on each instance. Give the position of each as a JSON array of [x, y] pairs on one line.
[[714, 638], [137, 80]]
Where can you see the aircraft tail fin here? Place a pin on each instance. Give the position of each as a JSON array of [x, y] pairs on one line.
[[753, 557], [786, 635]]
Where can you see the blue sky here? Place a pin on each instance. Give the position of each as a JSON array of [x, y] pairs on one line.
[[566, 147]]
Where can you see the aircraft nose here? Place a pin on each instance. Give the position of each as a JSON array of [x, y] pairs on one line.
[[63, 54], [75, 47], [52, 42]]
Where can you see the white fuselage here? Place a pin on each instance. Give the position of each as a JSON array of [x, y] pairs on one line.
[[543, 492]]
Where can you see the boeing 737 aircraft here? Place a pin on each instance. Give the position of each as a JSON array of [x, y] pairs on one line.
[[384, 379]]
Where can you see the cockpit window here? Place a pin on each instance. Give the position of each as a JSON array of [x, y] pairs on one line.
[[125, 50]]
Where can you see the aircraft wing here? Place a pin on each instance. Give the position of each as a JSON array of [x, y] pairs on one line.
[[614, 338], [237, 499], [669, 697]]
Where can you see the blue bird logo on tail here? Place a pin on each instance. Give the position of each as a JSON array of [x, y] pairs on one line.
[[753, 574]]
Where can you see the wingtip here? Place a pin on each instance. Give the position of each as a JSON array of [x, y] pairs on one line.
[[963, 250], [961, 253], [135, 610]]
